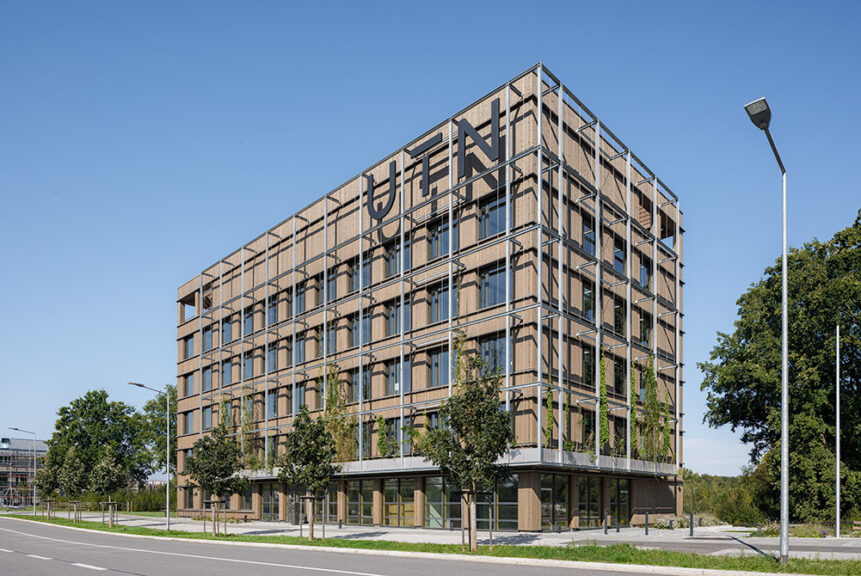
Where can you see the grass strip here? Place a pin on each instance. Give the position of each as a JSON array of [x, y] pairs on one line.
[[615, 553]]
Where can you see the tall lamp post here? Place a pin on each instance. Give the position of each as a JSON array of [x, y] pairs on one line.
[[837, 385], [760, 115], [33, 480], [167, 449]]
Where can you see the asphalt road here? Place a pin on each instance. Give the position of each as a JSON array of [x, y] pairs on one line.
[[31, 549]]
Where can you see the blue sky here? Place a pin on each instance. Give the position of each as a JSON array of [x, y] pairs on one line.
[[140, 142]]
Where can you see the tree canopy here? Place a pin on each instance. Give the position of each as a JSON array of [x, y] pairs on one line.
[[743, 381], [156, 434], [215, 463]]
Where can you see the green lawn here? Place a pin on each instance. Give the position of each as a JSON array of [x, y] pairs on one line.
[[617, 553]]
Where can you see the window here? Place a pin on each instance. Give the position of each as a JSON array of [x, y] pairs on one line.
[[299, 398], [318, 290], [189, 422], [207, 417], [186, 454], [272, 358], [227, 331], [493, 353], [440, 368], [300, 298], [393, 316], [227, 416], [619, 255], [272, 405], [249, 366], [619, 376], [367, 430], [366, 327], [619, 317], [272, 311], [207, 379], [207, 339], [189, 384], [439, 304], [393, 377], [188, 346], [331, 286], [492, 286], [491, 215], [645, 329], [588, 426], [353, 274], [249, 321], [332, 337], [588, 301], [588, 365], [645, 273], [588, 238], [432, 421], [227, 373], [393, 255], [438, 239], [249, 408], [299, 349]]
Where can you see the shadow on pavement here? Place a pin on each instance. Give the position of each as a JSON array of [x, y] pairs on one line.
[[754, 548]]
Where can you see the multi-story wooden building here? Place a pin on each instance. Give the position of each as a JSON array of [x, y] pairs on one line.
[[522, 221]]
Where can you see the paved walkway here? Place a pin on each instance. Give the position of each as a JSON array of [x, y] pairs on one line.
[[714, 540]]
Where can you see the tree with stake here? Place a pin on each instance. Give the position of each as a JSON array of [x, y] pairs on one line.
[[307, 460], [474, 432], [107, 477], [214, 467]]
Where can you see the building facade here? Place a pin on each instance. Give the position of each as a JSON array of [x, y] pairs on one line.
[[16, 469], [521, 221]]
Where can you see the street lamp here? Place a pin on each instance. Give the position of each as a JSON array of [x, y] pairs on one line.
[[760, 115], [33, 481], [167, 449]]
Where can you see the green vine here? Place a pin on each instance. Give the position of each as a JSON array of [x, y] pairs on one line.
[[339, 425], [665, 451], [246, 432], [604, 424], [632, 421], [549, 418], [384, 443]]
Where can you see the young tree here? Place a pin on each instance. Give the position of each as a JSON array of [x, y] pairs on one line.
[[47, 478], [474, 433], [73, 476], [214, 467], [108, 476], [340, 426], [307, 460], [743, 380]]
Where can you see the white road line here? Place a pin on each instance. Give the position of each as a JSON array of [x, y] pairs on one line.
[[79, 565], [195, 556], [37, 557], [4, 550]]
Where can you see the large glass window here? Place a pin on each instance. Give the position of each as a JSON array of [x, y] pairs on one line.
[[272, 405], [271, 496], [207, 379], [207, 417], [588, 301], [299, 398], [249, 321], [393, 316], [360, 502], [439, 304], [492, 217], [398, 507], [300, 298], [393, 256], [249, 366], [227, 331], [332, 286], [619, 255], [189, 422], [645, 273], [299, 349], [393, 376], [331, 337], [620, 502], [645, 329], [188, 346], [588, 238], [442, 504], [619, 317], [272, 358], [272, 311], [618, 376], [504, 502], [588, 365], [207, 339], [439, 367], [189, 384], [492, 286], [226, 373], [554, 501], [493, 352], [589, 502], [439, 237]]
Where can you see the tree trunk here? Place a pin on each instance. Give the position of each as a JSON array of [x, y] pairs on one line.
[[311, 518], [473, 524]]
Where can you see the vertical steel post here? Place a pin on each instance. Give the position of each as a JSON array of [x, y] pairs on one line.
[[451, 353], [784, 403], [599, 298], [166, 463], [401, 224], [632, 413], [561, 211], [266, 355], [677, 329], [326, 296], [837, 386], [539, 265], [508, 274], [361, 382], [293, 325]]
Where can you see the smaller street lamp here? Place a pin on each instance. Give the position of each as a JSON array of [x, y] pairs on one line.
[[167, 448]]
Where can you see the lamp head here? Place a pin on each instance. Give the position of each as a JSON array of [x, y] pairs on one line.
[[139, 385], [759, 113]]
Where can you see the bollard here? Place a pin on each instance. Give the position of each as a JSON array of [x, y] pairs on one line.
[[671, 524], [692, 525], [606, 521], [647, 523], [340, 524], [617, 526]]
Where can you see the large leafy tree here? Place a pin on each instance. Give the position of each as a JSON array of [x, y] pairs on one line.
[[742, 378], [73, 476], [93, 422], [214, 466], [474, 432], [307, 459]]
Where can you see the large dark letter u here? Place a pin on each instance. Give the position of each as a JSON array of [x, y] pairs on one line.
[[380, 210]]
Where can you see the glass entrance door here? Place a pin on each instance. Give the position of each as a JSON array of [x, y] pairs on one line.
[[589, 502], [271, 498]]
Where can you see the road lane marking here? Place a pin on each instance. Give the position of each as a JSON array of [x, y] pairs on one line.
[[37, 557], [195, 556], [91, 567], [4, 550]]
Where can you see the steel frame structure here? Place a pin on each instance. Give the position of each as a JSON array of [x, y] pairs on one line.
[[553, 240]]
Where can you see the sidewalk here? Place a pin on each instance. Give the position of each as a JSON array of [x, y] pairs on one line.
[[713, 540]]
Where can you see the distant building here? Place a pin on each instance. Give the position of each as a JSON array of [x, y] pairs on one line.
[[521, 221], [16, 470]]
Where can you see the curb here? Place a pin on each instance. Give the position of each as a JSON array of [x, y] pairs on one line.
[[548, 563]]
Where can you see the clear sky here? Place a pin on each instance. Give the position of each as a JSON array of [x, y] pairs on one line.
[[142, 141]]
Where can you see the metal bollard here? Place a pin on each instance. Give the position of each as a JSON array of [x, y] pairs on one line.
[[340, 524], [617, 525], [647, 523], [671, 524], [606, 521], [692, 525]]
